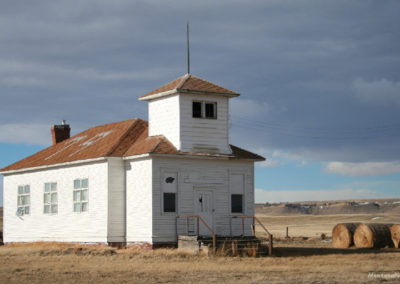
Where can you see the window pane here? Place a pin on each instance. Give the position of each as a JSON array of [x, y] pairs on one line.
[[54, 187], [237, 203], [19, 202], [77, 184], [169, 202], [47, 187], [47, 198], [27, 189], [22, 200], [20, 189], [84, 207], [27, 199], [210, 111], [85, 183], [196, 109], [77, 195], [54, 197], [27, 210], [46, 209], [84, 196], [54, 208], [77, 207]]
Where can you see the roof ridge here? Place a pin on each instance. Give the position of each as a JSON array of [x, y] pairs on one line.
[[209, 82], [184, 79], [134, 123], [155, 146]]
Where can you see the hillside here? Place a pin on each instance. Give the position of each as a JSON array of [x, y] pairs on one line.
[[364, 206]]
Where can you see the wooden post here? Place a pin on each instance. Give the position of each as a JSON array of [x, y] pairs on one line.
[[287, 232], [187, 226], [254, 226], [242, 227], [270, 245]]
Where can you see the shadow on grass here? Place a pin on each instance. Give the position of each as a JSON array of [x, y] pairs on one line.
[[301, 251]]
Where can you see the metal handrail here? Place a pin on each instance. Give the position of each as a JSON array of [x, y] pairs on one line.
[[187, 217], [270, 237]]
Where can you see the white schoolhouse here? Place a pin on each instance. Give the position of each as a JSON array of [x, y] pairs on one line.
[[128, 181]]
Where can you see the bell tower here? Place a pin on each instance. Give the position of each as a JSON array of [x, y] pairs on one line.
[[192, 113]]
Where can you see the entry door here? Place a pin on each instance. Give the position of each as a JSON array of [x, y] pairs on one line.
[[204, 208]]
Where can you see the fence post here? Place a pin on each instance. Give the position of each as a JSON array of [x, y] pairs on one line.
[[187, 226], [242, 227], [270, 245]]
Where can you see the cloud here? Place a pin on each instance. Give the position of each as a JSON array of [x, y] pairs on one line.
[[262, 196], [25, 133], [244, 109], [363, 169], [380, 91]]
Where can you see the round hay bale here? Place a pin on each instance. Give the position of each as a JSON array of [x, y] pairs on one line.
[[395, 232], [373, 236], [342, 235]]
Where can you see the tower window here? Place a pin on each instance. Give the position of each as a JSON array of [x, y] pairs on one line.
[[210, 110], [197, 109], [204, 109]]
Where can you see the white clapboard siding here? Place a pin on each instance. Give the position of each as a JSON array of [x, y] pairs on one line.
[[139, 201], [66, 225], [164, 118], [208, 174], [116, 200], [204, 135]]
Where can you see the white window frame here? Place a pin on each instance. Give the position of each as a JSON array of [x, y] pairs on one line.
[[203, 109], [23, 200], [77, 195], [50, 190]]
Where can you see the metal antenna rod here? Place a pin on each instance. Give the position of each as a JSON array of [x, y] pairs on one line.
[[188, 51]]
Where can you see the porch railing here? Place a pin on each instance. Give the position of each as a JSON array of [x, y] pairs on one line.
[[255, 219], [198, 220]]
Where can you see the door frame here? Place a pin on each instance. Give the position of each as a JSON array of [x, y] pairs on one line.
[[210, 189]]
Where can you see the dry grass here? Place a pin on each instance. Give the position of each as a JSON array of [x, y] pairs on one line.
[[312, 226], [43, 262]]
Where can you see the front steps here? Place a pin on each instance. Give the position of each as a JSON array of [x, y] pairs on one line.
[[226, 246]]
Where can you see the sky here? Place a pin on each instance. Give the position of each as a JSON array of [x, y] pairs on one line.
[[319, 81]]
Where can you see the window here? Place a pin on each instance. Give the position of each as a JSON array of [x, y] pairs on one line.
[[81, 195], [169, 202], [210, 110], [50, 198], [169, 186], [24, 200], [197, 109], [237, 203], [204, 109]]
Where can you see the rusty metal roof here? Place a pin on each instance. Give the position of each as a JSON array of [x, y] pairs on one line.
[[119, 139], [189, 83]]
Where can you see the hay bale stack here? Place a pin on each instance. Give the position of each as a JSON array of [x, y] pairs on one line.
[[342, 235], [373, 236], [395, 232]]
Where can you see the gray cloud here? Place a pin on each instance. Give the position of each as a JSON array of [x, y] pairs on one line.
[[297, 64]]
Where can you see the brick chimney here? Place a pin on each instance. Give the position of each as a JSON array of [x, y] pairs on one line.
[[60, 132]]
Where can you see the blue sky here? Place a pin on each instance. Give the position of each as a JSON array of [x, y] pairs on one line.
[[319, 81]]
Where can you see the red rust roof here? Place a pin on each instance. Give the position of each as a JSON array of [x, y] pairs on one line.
[[190, 84], [119, 139]]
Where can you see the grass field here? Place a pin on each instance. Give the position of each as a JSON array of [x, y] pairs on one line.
[[314, 225], [300, 260], [93, 264]]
